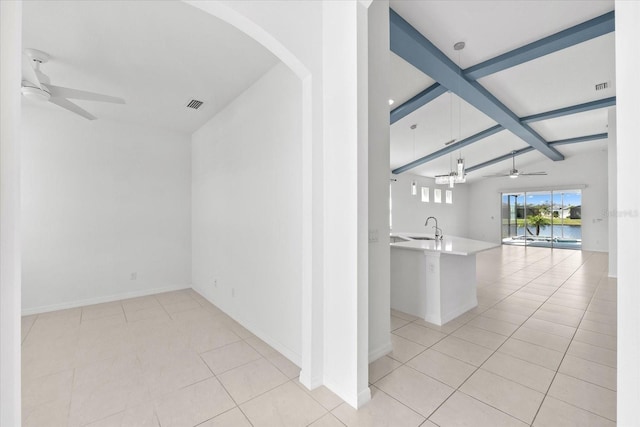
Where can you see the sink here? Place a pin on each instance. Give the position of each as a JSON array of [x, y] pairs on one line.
[[422, 238]]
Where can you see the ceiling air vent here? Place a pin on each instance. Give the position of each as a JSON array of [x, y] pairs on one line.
[[602, 86], [195, 104]]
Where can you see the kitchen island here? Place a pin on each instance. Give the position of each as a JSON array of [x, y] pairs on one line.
[[434, 279]]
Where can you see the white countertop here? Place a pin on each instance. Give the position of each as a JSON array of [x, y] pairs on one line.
[[448, 245]]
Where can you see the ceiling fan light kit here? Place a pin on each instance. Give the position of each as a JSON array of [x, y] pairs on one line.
[[34, 93], [37, 86]]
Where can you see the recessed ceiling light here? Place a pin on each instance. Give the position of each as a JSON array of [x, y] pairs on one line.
[[391, 101]]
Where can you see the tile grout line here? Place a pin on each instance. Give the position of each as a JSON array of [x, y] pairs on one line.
[[446, 336], [557, 370], [495, 351]]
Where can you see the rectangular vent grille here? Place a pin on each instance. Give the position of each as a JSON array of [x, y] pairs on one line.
[[195, 104], [602, 86]]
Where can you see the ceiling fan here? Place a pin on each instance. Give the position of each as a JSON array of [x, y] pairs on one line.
[[514, 173], [37, 86]]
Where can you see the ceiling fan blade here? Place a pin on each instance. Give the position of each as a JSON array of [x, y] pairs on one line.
[[28, 72], [68, 105], [533, 173], [65, 92], [498, 175]]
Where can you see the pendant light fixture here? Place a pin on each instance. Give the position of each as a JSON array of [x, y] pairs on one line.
[[458, 175], [460, 172], [414, 185]]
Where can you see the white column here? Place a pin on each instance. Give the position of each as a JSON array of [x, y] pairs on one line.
[[628, 132], [10, 77], [612, 173], [379, 250], [345, 124]]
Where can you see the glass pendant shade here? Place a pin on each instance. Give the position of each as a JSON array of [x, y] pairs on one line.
[[460, 167]]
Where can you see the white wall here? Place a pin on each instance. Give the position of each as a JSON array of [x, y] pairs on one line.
[[247, 210], [410, 213], [379, 251], [588, 169], [101, 200], [307, 39], [612, 217], [628, 159], [10, 76]]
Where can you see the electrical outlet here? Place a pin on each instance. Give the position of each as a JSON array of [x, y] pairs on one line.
[[215, 283], [134, 276]]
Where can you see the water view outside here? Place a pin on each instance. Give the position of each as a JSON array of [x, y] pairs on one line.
[[543, 219], [559, 231]]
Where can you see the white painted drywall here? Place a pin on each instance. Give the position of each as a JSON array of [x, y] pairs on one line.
[[345, 120], [612, 217], [409, 212], [101, 201], [379, 256], [10, 77], [628, 159], [588, 169], [247, 210], [293, 31]]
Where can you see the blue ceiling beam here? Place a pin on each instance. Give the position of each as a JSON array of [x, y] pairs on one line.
[[577, 139], [593, 105], [424, 97], [414, 48], [588, 30], [574, 109], [580, 33], [504, 157], [448, 149]]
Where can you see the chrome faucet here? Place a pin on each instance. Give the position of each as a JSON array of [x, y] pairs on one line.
[[438, 233]]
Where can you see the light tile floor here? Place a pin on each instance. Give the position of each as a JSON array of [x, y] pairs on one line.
[[540, 349]]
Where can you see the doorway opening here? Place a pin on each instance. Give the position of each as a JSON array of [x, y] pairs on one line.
[[546, 218]]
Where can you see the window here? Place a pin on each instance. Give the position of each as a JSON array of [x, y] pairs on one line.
[[425, 194], [551, 218]]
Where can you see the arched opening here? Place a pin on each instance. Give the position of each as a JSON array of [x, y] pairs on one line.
[[250, 196]]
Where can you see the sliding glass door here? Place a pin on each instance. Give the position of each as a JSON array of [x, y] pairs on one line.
[[512, 216], [542, 218], [567, 219]]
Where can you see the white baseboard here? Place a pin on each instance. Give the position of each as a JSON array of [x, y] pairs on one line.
[[380, 351], [309, 382], [296, 359], [99, 300], [354, 400], [364, 397], [451, 314]]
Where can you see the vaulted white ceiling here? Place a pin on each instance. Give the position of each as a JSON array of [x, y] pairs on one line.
[[491, 28], [157, 55]]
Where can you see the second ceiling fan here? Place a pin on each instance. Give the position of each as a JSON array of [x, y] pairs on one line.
[[514, 173]]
